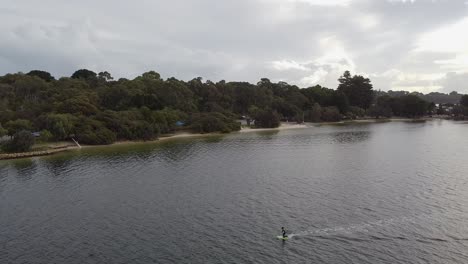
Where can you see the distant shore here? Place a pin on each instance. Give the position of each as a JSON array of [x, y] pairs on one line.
[[283, 126], [58, 147]]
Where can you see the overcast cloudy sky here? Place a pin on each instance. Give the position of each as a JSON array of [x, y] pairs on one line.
[[415, 45]]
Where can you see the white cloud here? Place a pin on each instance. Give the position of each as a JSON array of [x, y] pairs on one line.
[[451, 38], [314, 78], [324, 69], [367, 21], [286, 65], [455, 82]]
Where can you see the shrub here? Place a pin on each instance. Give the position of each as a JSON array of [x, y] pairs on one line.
[[45, 136], [314, 114], [213, 122], [21, 142], [18, 125], [267, 119], [93, 132], [355, 112], [331, 114]]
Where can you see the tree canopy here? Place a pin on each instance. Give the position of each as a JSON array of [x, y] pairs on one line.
[[96, 109], [357, 89]]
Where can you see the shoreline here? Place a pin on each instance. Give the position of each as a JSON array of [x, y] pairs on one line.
[[162, 138], [54, 148], [283, 126]]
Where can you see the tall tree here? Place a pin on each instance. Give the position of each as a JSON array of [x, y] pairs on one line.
[[84, 74], [105, 76], [357, 88], [42, 74]]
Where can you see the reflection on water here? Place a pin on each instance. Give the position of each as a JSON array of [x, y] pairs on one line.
[[354, 193], [350, 136]]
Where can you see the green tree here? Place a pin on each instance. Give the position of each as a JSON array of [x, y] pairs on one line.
[[331, 114], [45, 136], [22, 141], [151, 75], [413, 106], [213, 122], [357, 89], [355, 112], [341, 101], [382, 107], [84, 74], [42, 74], [267, 119], [93, 132], [60, 125], [105, 76], [464, 100], [3, 131], [78, 105], [18, 125], [431, 108], [315, 113]]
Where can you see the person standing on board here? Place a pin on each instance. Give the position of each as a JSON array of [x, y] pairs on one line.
[[283, 232]]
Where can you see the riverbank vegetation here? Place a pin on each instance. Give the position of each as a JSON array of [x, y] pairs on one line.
[[95, 109]]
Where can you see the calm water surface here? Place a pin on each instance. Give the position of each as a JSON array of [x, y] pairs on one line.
[[363, 193]]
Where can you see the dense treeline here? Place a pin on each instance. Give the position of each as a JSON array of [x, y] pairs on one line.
[[459, 111], [435, 97], [96, 109]]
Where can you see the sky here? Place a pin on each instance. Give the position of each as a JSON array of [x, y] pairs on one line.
[[412, 45]]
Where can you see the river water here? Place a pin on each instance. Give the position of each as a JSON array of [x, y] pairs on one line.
[[361, 193]]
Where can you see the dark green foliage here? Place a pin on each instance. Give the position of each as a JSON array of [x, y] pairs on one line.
[[143, 130], [331, 114], [463, 108], [314, 114], [464, 100], [341, 101], [93, 132], [357, 88], [96, 109], [213, 122], [412, 106], [45, 136], [84, 74], [431, 108], [3, 131], [436, 97], [105, 76], [42, 74], [267, 119], [22, 141], [383, 107], [355, 112], [61, 126], [18, 125]]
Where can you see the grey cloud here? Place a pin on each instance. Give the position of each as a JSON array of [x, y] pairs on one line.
[[455, 82], [232, 40]]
